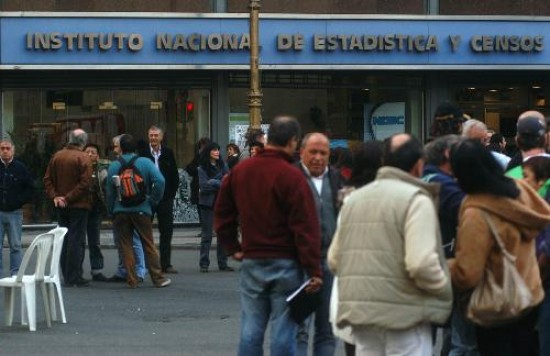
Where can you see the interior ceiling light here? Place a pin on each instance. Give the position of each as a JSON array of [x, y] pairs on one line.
[[493, 90], [536, 87]]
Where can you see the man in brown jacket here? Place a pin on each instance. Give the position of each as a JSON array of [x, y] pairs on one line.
[[67, 183]]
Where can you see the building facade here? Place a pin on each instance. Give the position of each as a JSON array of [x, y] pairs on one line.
[[356, 70]]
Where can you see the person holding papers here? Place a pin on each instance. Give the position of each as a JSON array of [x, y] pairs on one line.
[[272, 203]]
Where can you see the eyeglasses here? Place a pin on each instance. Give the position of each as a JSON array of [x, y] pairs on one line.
[[5, 148]]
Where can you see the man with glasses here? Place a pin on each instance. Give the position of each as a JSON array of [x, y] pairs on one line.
[[16, 189]]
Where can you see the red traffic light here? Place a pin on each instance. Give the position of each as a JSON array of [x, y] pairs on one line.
[[189, 106]]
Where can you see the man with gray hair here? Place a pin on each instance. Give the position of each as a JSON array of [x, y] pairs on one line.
[[164, 159], [67, 183], [16, 189], [477, 130]]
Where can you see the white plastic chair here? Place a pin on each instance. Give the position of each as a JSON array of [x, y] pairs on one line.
[[52, 277], [42, 245]]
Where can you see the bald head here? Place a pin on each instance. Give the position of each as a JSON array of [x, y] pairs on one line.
[[535, 114], [398, 140], [78, 137], [315, 152]]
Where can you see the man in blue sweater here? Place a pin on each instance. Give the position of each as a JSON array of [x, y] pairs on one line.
[[136, 217]]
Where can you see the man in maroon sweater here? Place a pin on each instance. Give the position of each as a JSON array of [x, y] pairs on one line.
[[281, 240]]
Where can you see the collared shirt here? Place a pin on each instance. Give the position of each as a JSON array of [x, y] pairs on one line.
[[156, 154], [7, 163], [317, 181]]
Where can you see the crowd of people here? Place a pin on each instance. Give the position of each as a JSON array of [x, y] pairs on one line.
[[397, 244], [395, 236], [83, 189]]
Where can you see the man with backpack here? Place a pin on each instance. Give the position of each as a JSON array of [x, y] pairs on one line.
[[133, 188]]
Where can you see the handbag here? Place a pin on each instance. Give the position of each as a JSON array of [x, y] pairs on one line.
[[492, 304]]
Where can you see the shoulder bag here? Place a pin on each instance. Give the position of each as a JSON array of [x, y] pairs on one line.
[[492, 304]]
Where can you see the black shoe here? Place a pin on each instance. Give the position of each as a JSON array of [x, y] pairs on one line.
[[116, 278], [81, 282], [170, 269], [99, 278], [227, 269], [204, 269]]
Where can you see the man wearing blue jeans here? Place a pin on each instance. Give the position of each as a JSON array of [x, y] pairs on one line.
[[16, 189], [272, 202]]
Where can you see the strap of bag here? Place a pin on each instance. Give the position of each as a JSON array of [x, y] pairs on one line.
[[124, 164], [497, 238]]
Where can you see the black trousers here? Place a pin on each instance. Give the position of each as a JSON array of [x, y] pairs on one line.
[[517, 338], [94, 245], [74, 245], [165, 218]]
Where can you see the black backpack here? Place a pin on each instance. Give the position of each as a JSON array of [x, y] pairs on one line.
[[132, 185]]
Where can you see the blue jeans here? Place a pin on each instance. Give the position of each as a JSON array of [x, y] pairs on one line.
[[207, 222], [141, 270], [324, 343], [463, 335], [11, 223], [265, 285], [544, 323]]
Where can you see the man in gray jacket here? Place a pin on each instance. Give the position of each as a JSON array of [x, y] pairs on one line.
[[393, 278]]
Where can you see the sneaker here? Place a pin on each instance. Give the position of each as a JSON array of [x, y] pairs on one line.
[[204, 269], [170, 269], [227, 269], [99, 277], [164, 283], [116, 278]]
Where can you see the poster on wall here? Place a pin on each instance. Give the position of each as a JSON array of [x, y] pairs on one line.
[[238, 125], [386, 120]]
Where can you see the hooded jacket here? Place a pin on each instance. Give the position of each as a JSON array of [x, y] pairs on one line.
[[517, 221]]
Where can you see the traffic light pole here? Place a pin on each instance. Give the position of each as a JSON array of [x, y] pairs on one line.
[[255, 93]]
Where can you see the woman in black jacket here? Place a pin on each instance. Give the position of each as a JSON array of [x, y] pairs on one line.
[[211, 171]]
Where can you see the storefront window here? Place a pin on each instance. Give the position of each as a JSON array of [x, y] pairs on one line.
[[354, 114], [40, 121]]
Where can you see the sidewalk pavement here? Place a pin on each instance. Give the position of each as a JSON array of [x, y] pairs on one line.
[[185, 237]]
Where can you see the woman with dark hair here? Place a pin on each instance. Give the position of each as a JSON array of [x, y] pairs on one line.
[[233, 153], [518, 214], [497, 143], [366, 160], [211, 171]]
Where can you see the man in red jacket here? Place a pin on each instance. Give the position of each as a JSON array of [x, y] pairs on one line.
[[281, 240]]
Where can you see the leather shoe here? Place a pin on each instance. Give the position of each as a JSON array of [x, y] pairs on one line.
[[81, 282], [204, 269], [99, 278], [171, 270], [115, 278]]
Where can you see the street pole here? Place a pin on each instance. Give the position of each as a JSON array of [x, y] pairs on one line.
[[255, 93]]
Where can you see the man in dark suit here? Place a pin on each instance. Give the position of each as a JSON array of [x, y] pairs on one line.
[[164, 159]]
